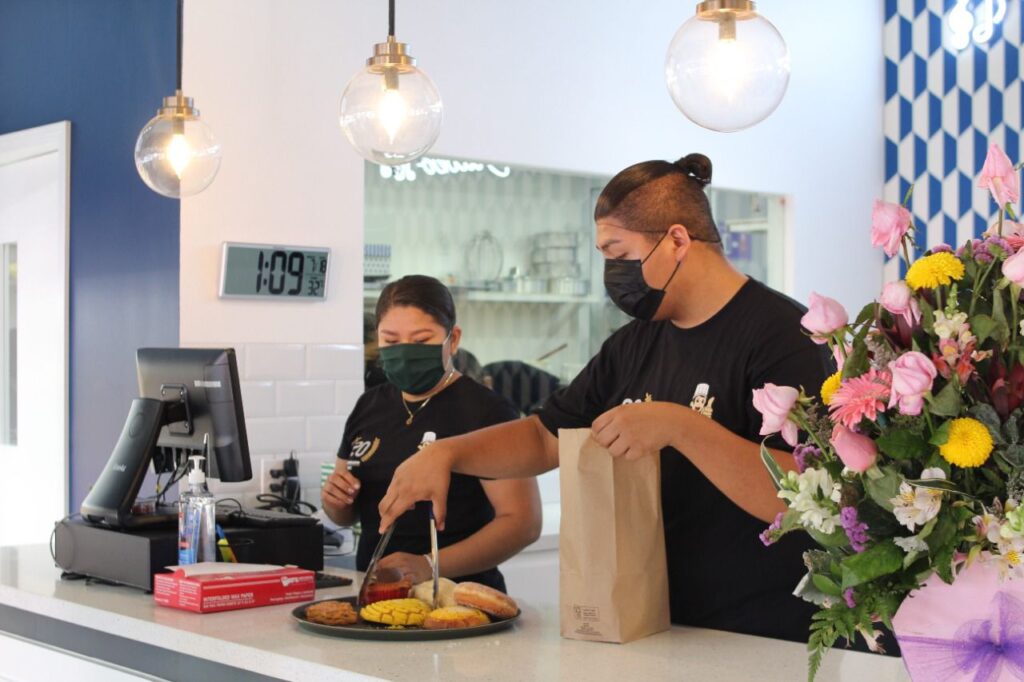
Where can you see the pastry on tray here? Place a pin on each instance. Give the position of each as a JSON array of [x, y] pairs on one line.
[[403, 612], [489, 600], [445, 592], [332, 613], [376, 592], [451, 617]]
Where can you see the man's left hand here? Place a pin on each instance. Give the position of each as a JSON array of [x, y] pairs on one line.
[[639, 429]]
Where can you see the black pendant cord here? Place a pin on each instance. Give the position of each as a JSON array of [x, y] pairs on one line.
[[181, 32], [391, 18]]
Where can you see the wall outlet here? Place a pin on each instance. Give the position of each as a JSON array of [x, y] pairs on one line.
[[268, 464]]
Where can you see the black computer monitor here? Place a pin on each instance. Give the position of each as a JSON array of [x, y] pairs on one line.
[[205, 381], [188, 397]]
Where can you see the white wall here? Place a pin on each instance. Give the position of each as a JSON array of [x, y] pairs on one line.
[[572, 85]]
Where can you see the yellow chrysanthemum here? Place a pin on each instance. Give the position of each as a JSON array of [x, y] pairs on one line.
[[938, 269], [830, 386], [969, 444]]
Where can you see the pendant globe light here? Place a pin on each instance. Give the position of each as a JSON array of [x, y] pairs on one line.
[[391, 111], [176, 154], [727, 67]]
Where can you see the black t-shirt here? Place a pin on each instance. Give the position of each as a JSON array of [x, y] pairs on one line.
[[720, 574], [377, 434]]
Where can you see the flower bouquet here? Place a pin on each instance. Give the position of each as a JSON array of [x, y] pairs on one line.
[[909, 461]]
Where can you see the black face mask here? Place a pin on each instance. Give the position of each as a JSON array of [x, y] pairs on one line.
[[624, 280]]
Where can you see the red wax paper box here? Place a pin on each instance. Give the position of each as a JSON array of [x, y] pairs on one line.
[[209, 587]]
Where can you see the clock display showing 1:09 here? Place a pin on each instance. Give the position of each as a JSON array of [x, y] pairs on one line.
[[274, 271]]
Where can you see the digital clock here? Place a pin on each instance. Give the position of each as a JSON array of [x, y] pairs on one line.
[[274, 271]]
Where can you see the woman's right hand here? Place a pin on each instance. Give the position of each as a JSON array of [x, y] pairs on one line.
[[341, 489]]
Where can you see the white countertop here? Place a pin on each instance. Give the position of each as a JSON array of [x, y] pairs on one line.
[[267, 641]]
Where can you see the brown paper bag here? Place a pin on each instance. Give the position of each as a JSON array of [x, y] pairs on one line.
[[613, 580]]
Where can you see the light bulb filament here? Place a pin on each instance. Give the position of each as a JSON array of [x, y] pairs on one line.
[[392, 111], [179, 154]]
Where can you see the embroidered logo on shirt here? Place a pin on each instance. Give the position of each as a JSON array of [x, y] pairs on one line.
[[647, 398], [363, 449], [701, 403], [428, 438]]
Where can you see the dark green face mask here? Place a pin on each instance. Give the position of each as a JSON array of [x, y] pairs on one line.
[[413, 367]]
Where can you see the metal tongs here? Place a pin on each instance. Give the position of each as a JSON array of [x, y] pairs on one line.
[[371, 576], [433, 556], [368, 577]]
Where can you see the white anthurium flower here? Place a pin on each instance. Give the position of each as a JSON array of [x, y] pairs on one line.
[[916, 506]]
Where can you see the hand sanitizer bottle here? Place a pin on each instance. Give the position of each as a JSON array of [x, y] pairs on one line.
[[197, 518]]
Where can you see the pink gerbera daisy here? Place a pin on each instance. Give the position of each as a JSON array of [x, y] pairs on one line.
[[860, 397]]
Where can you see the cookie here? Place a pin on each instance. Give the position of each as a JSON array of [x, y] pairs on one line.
[[332, 613]]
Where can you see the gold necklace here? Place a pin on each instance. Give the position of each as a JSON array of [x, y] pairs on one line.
[[424, 403]]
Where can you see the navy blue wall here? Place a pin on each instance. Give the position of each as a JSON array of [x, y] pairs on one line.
[[104, 65]]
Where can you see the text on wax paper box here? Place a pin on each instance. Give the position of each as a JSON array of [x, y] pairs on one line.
[[209, 586]]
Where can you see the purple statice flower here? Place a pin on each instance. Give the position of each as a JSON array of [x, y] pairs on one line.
[[805, 456], [771, 534], [941, 248], [848, 598], [856, 530]]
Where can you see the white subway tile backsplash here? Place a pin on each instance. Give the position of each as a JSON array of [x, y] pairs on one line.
[[304, 398], [259, 398], [324, 433], [335, 361], [269, 435], [309, 467], [275, 361], [346, 395]]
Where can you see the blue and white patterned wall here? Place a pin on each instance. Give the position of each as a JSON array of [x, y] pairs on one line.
[[943, 107]]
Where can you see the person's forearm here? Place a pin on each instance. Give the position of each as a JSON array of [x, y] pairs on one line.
[[343, 516], [515, 449], [498, 541], [732, 464]]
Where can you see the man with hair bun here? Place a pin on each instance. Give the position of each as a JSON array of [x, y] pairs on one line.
[[678, 381]]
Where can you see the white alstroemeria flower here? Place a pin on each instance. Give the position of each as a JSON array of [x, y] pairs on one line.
[[911, 544], [1010, 557], [989, 526], [916, 506], [815, 496]]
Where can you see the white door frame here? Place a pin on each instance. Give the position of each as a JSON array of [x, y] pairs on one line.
[[23, 145]]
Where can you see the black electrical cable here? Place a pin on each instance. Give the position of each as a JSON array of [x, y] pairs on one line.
[[181, 33], [296, 506], [391, 18]]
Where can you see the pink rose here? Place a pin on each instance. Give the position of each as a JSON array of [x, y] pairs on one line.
[[824, 317], [1013, 268], [999, 177], [898, 299], [775, 403], [857, 452], [889, 222], [912, 377]]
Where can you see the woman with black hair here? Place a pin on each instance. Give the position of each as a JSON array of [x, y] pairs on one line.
[[676, 380], [426, 398]]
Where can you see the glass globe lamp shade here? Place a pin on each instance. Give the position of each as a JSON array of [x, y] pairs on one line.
[[176, 154], [391, 114], [727, 70]]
